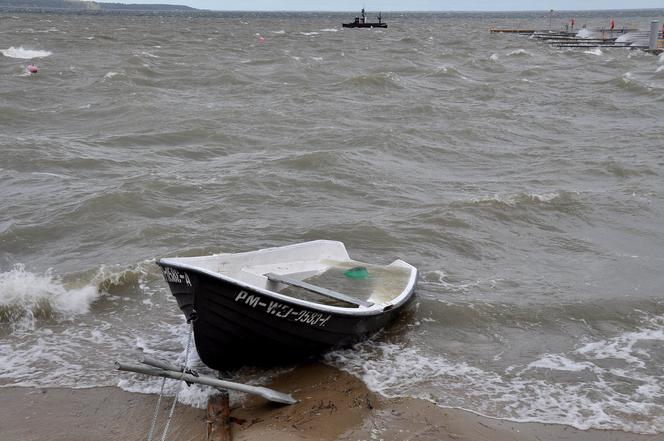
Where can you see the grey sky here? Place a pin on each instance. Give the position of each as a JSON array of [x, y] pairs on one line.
[[402, 5]]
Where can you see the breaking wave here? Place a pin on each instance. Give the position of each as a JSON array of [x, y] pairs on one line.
[[26, 297], [25, 54], [519, 53], [584, 33], [594, 51], [628, 82]]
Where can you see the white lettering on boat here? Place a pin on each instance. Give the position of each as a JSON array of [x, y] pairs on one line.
[[174, 276], [282, 310]]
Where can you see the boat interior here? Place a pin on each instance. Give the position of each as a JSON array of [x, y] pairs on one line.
[[319, 271]]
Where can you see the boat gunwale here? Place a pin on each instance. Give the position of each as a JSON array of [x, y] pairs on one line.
[[376, 309]]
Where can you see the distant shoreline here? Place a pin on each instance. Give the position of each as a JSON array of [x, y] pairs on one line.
[[87, 6]]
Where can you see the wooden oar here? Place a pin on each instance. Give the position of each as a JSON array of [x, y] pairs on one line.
[[268, 394]]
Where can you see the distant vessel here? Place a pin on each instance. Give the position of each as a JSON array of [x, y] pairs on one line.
[[361, 22]]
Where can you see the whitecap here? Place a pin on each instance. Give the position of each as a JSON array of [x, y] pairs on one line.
[[518, 52], [25, 296], [329, 30], [25, 54], [493, 57], [54, 175], [278, 32], [584, 33], [594, 51], [308, 34], [517, 198]]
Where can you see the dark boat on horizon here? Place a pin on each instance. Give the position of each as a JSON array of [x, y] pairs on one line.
[[361, 22], [287, 303]]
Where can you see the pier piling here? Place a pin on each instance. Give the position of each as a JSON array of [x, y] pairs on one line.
[[219, 418], [654, 31]]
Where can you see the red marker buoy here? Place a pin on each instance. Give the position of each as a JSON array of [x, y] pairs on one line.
[[613, 24], [261, 39], [32, 68]]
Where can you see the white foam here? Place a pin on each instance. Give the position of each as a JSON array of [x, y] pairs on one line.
[[329, 30], [559, 362], [308, 34], [516, 198], [24, 294], [25, 54], [519, 52], [594, 51], [584, 33], [196, 395], [622, 347], [280, 32], [494, 57], [544, 197], [585, 388]]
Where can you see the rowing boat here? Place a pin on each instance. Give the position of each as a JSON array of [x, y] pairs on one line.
[[277, 304]]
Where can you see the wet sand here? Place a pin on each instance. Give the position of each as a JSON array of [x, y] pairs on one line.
[[333, 406]]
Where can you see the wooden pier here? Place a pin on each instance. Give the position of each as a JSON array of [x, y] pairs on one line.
[[648, 41]]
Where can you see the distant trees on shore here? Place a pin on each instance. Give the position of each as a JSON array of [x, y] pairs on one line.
[[80, 5]]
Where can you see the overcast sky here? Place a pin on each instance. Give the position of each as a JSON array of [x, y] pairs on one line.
[[403, 5]]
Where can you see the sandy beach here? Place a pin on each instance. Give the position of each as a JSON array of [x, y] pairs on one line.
[[333, 405]]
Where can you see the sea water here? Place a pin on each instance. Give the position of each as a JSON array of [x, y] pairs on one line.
[[525, 182]]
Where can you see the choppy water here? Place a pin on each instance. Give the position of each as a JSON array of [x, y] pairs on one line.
[[525, 182]]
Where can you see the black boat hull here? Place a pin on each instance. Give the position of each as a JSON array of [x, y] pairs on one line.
[[364, 25], [236, 326]]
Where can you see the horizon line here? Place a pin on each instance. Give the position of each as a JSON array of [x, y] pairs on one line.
[[426, 11]]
